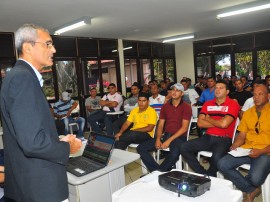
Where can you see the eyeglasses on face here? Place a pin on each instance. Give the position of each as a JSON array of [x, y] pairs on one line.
[[49, 44]]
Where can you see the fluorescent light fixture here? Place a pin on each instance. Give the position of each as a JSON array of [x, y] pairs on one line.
[[223, 44], [178, 38], [130, 47], [73, 25], [244, 10]]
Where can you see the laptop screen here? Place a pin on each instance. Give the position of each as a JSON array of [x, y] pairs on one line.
[[99, 147]]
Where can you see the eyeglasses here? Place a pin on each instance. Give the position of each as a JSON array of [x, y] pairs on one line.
[[257, 127], [49, 44]]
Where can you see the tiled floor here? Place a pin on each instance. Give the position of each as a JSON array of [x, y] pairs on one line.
[[133, 172]]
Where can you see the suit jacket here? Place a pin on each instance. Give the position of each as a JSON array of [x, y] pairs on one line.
[[34, 157]]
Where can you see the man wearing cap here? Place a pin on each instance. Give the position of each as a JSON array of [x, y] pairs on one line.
[[109, 103], [171, 131], [218, 116], [62, 111]]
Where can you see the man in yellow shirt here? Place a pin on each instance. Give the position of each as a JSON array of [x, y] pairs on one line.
[[143, 118], [255, 135]]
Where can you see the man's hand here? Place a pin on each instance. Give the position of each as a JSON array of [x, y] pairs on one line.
[[158, 144], [117, 136], [166, 144], [74, 143], [233, 147], [255, 153]]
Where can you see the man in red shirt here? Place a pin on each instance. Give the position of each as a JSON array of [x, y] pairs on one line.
[[218, 116]]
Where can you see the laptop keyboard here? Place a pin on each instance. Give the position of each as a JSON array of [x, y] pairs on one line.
[[84, 165]]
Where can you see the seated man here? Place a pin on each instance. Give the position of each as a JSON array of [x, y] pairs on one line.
[[218, 116], [129, 103], [92, 102], [143, 118], [173, 122], [255, 135], [110, 103], [156, 100], [62, 111]]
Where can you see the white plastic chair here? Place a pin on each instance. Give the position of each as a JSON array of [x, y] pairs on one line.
[[179, 162], [265, 185], [209, 154]]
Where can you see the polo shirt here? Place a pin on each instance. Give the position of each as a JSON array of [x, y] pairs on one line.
[[157, 102], [248, 123], [217, 112], [207, 95], [115, 97], [61, 108], [241, 97], [174, 115], [143, 119]]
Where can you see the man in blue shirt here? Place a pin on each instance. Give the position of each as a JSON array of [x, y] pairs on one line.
[[208, 93]]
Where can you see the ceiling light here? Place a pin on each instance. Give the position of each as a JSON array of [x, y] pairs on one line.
[[224, 44], [243, 10], [178, 38], [73, 25], [130, 47]]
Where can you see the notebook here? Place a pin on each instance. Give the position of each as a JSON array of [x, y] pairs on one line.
[[96, 155]]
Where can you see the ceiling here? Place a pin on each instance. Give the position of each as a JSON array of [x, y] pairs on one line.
[[145, 20]]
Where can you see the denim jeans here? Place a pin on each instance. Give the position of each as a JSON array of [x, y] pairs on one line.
[[148, 146], [101, 116], [219, 146], [79, 120], [131, 137], [259, 169]]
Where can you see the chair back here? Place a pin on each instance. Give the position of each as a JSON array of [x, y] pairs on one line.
[[235, 128]]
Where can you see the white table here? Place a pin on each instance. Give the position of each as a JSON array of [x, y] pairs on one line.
[[221, 191], [99, 186]]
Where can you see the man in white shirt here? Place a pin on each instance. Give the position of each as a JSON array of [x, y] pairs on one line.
[[190, 95], [156, 100], [110, 103]]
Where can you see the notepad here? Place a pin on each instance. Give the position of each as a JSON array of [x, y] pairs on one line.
[[238, 152]]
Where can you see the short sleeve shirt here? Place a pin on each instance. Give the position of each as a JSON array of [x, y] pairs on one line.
[[217, 112], [143, 119], [115, 97]]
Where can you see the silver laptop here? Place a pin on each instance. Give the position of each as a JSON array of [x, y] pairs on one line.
[[96, 155]]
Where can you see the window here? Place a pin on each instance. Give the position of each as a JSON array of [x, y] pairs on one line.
[[158, 69], [263, 63], [66, 77], [223, 65], [91, 76], [243, 65], [203, 65], [170, 73], [146, 73], [48, 83], [130, 71], [108, 70]]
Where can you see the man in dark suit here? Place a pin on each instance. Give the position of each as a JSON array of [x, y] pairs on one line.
[[34, 157]]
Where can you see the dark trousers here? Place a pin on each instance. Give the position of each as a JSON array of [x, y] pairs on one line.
[[145, 149], [131, 137], [117, 124], [219, 146]]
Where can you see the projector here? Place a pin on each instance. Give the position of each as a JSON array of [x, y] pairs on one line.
[[184, 183]]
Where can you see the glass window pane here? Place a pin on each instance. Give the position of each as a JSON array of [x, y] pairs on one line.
[[146, 73], [131, 72], [170, 69], [263, 63], [108, 70], [48, 83], [158, 69], [203, 65], [91, 75], [243, 65], [223, 65], [66, 77]]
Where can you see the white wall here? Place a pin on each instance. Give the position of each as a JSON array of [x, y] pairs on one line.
[[184, 61]]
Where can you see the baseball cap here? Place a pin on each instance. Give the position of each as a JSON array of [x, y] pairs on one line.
[[178, 86], [65, 96]]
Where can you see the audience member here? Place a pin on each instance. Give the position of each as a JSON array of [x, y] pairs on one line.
[[209, 92], [246, 84], [60, 126], [200, 86], [92, 102], [63, 111], [145, 88], [171, 131], [156, 100], [231, 84], [240, 95], [110, 103], [163, 86], [143, 118], [218, 116], [190, 95], [254, 134]]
